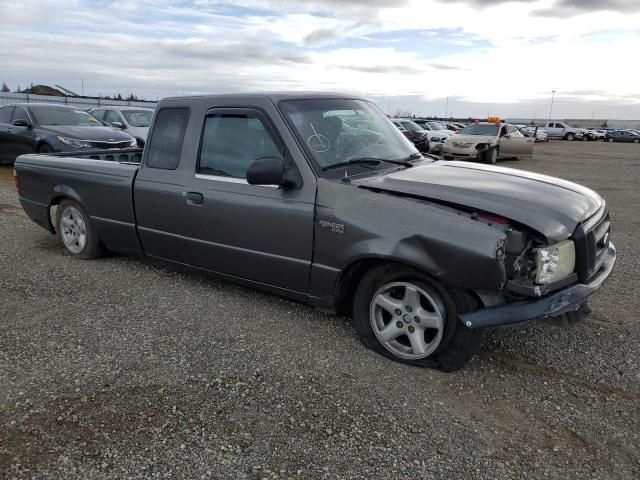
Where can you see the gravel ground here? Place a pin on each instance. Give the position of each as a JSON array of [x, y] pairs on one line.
[[121, 368]]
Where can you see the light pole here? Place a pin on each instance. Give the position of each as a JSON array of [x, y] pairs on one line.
[[446, 109], [553, 94], [83, 87]]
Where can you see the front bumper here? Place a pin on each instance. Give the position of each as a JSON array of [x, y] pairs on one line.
[[463, 152], [552, 305]]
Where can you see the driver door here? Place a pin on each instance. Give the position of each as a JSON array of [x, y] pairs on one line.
[[262, 233]]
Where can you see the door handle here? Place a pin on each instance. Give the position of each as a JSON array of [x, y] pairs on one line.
[[9, 130], [194, 198]]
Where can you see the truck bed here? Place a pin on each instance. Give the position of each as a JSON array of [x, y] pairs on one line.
[[103, 179]]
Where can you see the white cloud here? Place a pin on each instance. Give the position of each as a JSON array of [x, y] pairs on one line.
[[504, 54]]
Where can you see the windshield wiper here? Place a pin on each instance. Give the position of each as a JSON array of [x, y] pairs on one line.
[[372, 161], [354, 161]]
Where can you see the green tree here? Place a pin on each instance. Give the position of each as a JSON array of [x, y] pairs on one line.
[[5, 87], [119, 97]]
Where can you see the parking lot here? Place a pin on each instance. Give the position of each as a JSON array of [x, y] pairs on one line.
[[121, 368]]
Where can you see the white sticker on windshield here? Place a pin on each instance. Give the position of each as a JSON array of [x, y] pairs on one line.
[[318, 143]]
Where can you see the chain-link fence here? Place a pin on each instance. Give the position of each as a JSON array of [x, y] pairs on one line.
[[80, 102]]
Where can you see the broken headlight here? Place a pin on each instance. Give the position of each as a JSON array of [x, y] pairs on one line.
[[555, 262]]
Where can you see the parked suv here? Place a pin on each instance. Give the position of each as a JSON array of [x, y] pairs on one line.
[[135, 120]]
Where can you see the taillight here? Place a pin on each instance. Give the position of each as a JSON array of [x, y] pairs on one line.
[[16, 179]]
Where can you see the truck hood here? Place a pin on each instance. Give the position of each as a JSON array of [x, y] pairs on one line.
[[549, 205], [472, 138], [101, 134]]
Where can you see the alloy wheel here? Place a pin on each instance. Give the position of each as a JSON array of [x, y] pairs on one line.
[[407, 320], [73, 230]]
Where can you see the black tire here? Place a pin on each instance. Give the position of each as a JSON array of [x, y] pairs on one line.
[[92, 248], [45, 148], [570, 137], [491, 155], [458, 344]]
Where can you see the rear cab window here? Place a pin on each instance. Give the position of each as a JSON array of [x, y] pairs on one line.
[[167, 134]]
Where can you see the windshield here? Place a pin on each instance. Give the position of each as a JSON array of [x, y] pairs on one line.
[[338, 130], [64, 116], [411, 126], [138, 118], [437, 126], [478, 129]]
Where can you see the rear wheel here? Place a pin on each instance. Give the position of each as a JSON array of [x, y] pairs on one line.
[[610, 140], [402, 314], [76, 233], [636, 140]]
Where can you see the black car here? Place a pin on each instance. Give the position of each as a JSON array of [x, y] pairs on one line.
[[622, 136], [45, 128], [414, 134]]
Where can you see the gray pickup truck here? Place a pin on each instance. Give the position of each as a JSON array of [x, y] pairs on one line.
[[321, 199]]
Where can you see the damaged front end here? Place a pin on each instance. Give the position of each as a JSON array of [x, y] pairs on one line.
[[548, 281]]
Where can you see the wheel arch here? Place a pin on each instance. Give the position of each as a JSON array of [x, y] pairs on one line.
[[41, 142], [61, 193], [352, 275]]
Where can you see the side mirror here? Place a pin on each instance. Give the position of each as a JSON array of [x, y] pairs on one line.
[[507, 135], [267, 171], [22, 123], [119, 125]]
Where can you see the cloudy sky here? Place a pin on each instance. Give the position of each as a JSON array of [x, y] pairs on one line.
[[487, 56]]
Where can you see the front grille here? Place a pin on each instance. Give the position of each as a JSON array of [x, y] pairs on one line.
[[105, 145], [592, 240]]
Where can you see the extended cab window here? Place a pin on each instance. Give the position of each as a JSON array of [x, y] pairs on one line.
[[166, 138], [230, 142]]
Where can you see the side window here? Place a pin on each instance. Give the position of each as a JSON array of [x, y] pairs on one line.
[[167, 134], [20, 114], [5, 114], [231, 142], [112, 116], [99, 114]]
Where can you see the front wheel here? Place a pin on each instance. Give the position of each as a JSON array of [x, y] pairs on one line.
[[45, 148], [76, 233], [403, 315], [570, 137], [635, 140], [491, 156], [610, 140]]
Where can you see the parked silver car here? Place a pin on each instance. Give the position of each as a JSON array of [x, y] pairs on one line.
[[135, 120]]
